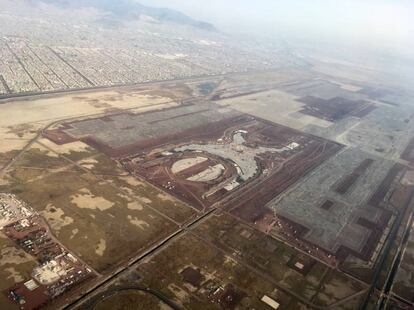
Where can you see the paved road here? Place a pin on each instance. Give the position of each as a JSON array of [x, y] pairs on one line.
[[109, 293], [395, 266], [381, 264], [155, 248], [136, 261], [35, 95]]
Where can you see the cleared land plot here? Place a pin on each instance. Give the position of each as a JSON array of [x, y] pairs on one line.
[[336, 108], [128, 133], [266, 144], [276, 106], [65, 106], [384, 131], [394, 196], [336, 226], [325, 89], [153, 143], [249, 205]]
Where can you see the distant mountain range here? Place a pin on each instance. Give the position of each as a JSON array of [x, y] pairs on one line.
[[128, 9]]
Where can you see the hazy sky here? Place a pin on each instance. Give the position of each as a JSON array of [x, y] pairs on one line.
[[376, 22]]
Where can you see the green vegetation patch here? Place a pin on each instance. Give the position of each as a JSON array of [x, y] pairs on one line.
[[163, 273], [92, 217], [130, 299]]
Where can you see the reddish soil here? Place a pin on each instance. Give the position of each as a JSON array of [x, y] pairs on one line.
[[158, 172], [39, 231], [248, 202], [33, 299], [58, 136], [44, 248], [248, 198]]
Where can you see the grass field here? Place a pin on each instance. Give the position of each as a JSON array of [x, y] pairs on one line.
[[218, 270], [90, 216]]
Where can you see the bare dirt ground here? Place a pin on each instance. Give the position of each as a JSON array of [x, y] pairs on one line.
[[107, 216]]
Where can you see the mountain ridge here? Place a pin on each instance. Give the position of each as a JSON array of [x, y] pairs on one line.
[[128, 9]]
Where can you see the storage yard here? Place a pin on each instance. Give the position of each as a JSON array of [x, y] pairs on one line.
[[58, 270]]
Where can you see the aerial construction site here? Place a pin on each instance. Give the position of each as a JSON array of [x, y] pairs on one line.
[[289, 210]]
